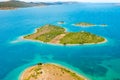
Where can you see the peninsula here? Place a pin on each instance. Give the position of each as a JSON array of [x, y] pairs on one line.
[[58, 35], [13, 4], [49, 72]]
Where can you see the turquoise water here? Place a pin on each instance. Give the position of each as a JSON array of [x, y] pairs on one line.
[[96, 62]]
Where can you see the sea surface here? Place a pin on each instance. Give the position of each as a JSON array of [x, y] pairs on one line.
[[95, 62]]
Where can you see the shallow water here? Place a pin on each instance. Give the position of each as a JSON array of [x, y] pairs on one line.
[[96, 62]]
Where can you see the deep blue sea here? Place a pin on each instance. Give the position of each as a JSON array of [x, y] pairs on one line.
[[96, 62]]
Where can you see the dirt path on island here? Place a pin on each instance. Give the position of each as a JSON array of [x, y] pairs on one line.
[[56, 40]]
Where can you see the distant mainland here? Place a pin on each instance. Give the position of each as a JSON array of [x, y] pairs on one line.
[[49, 71], [58, 35], [13, 4]]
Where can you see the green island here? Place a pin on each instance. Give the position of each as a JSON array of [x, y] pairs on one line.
[[61, 22], [84, 24], [49, 72], [58, 35]]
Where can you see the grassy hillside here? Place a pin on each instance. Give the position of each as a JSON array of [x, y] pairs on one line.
[[17, 4], [47, 33], [81, 38]]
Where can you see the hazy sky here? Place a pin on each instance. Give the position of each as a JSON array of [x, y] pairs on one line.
[[108, 1]]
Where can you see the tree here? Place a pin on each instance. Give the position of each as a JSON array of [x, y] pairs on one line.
[[39, 64]]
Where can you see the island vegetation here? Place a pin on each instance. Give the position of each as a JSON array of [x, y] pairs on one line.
[[84, 24], [61, 22], [58, 35], [13, 4], [46, 33], [49, 72], [81, 38]]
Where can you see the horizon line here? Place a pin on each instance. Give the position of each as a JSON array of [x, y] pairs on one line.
[[63, 1]]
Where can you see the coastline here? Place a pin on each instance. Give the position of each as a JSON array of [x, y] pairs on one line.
[[26, 71], [23, 73], [14, 8], [7, 8], [21, 38], [100, 25], [56, 40], [83, 26], [70, 70]]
